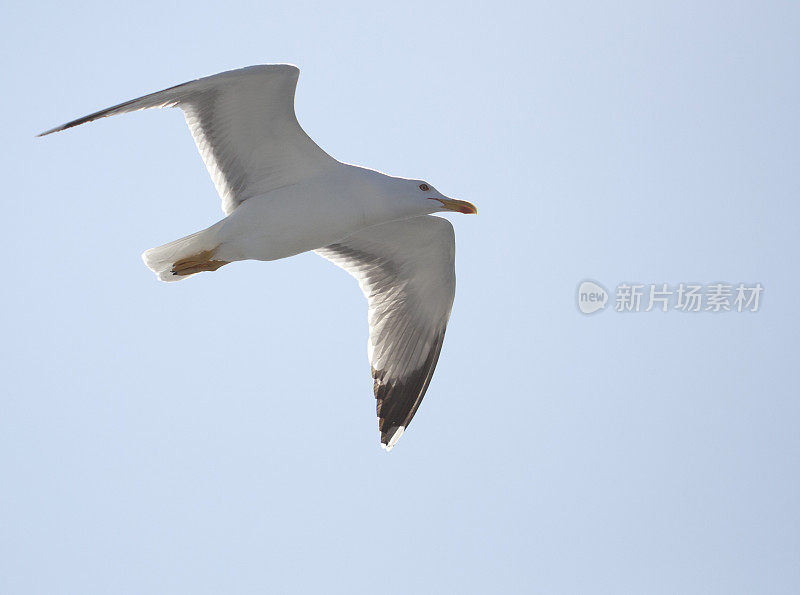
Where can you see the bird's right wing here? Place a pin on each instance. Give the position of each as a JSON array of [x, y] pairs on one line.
[[244, 125], [406, 271]]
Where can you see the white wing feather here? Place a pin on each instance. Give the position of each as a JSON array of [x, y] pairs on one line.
[[244, 125], [406, 271]]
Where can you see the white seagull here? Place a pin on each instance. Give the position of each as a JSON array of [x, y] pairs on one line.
[[283, 195]]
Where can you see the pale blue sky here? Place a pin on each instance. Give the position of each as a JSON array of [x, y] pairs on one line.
[[218, 435]]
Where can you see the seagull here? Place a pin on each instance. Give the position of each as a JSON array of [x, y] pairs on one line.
[[283, 195]]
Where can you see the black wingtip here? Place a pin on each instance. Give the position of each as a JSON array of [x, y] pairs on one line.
[[78, 122], [51, 131], [390, 437]]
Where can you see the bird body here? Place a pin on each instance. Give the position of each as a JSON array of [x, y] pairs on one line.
[[312, 213], [283, 195]]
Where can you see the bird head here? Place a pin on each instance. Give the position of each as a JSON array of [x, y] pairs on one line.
[[442, 202]]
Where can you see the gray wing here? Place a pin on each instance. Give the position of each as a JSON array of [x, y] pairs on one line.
[[406, 271], [244, 125]]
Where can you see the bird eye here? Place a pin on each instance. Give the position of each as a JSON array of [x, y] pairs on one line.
[[424, 187]]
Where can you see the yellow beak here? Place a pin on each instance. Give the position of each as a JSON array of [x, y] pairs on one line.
[[460, 206]]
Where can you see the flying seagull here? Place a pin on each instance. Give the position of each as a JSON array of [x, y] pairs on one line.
[[283, 195]]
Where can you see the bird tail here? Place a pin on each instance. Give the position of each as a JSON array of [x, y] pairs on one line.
[[187, 256]]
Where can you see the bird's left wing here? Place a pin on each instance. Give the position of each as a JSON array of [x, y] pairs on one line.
[[406, 271], [244, 125]]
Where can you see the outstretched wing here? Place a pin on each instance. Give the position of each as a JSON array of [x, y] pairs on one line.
[[406, 271], [244, 125]]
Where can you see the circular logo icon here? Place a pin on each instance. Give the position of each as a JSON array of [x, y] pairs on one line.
[[592, 297]]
